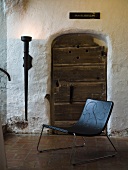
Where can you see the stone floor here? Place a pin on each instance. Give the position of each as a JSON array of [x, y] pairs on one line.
[[22, 154]]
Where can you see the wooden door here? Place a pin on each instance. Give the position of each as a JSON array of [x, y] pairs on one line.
[[78, 73]]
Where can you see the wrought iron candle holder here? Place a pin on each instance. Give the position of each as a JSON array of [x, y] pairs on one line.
[[27, 65]]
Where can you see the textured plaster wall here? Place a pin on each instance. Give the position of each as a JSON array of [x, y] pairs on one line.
[[45, 20], [3, 65]]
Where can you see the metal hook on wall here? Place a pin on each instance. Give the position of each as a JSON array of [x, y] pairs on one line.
[[9, 78]]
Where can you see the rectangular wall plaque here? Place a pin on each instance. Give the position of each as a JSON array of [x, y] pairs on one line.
[[84, 15]]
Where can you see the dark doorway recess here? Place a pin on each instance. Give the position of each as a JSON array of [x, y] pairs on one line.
[[78, 72]]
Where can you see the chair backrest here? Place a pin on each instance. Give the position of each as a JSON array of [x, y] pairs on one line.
[[95, 116]]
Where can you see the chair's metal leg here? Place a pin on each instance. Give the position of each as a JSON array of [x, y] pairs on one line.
[[39, 140], [73, 149], [90, 160], [84, 141], [74, 145], [53, 148], [112, 145]]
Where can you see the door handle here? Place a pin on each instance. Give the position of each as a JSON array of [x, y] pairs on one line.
[[57, 86], [57, 83], [71, 93]]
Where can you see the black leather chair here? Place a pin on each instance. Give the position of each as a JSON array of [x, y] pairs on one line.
[[92, 122]]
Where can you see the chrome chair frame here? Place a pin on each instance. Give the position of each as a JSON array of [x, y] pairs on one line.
[[92, 122]]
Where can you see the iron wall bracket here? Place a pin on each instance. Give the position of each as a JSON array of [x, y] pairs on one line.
[[27, 65]]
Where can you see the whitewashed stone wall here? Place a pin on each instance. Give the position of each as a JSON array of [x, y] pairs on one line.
[[3, 65], [45, 20]]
